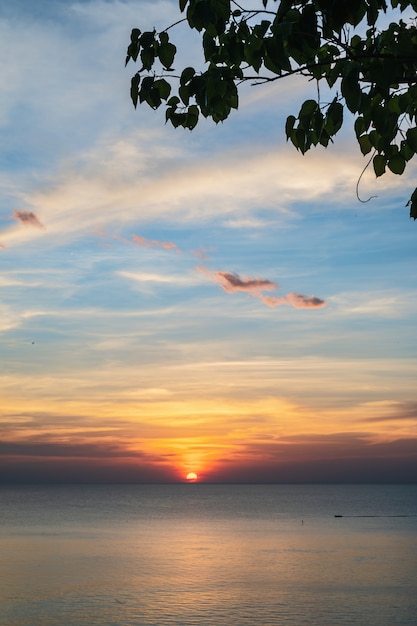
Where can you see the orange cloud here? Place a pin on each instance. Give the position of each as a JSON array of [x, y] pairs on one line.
[[28, 219], [337, 457]]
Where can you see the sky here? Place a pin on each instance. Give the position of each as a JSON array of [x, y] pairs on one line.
[[173, 301]]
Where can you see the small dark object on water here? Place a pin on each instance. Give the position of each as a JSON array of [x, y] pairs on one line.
[[338, 515]]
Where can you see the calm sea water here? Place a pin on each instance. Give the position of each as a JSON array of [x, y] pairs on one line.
[[193, 554]]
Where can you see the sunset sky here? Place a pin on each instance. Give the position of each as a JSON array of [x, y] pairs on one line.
[[174, 301]]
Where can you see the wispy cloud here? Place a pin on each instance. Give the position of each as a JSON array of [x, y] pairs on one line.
[[150, 243], [143, 242], [153, 277], [389, 303], [8, 319], [393, 411], [93, 190]]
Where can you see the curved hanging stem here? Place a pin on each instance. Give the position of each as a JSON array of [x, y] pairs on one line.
[[359, 180]]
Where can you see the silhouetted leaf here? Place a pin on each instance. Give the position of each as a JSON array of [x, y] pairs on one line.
[[289, 125], [364, 144], [351, 90], [334, 117], [379, 163], [166, 53], [147, 39], [134, 89], [412, 138], [412, 203], [186, 75], [397, 164], [163, 87]]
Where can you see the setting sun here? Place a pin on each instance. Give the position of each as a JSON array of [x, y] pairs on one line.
[[191, 476]]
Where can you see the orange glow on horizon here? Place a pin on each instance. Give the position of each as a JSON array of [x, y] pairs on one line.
[[192, 477]]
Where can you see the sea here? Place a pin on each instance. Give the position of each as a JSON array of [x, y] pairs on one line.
[[203, 554]]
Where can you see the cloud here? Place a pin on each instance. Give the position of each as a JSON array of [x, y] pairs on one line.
[[336, 457], [8, 318], [36, 460], [232, 283], [28, 218], [386, 303], [153, 277], [148, 176], [143, 242], [33, 448], [297, 300], [149, 243], [332, 445], [113, 183], [202, 253], [388, 411]]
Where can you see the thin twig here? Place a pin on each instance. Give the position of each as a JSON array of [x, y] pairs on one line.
[[184, 19]]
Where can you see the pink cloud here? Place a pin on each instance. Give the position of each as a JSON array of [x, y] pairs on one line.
[[28, 219], [273, 301], [2, 245], [138, 240], [232, 282], [149, 243], [297, 300]]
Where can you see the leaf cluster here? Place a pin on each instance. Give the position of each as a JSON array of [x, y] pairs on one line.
[[371, 71]]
